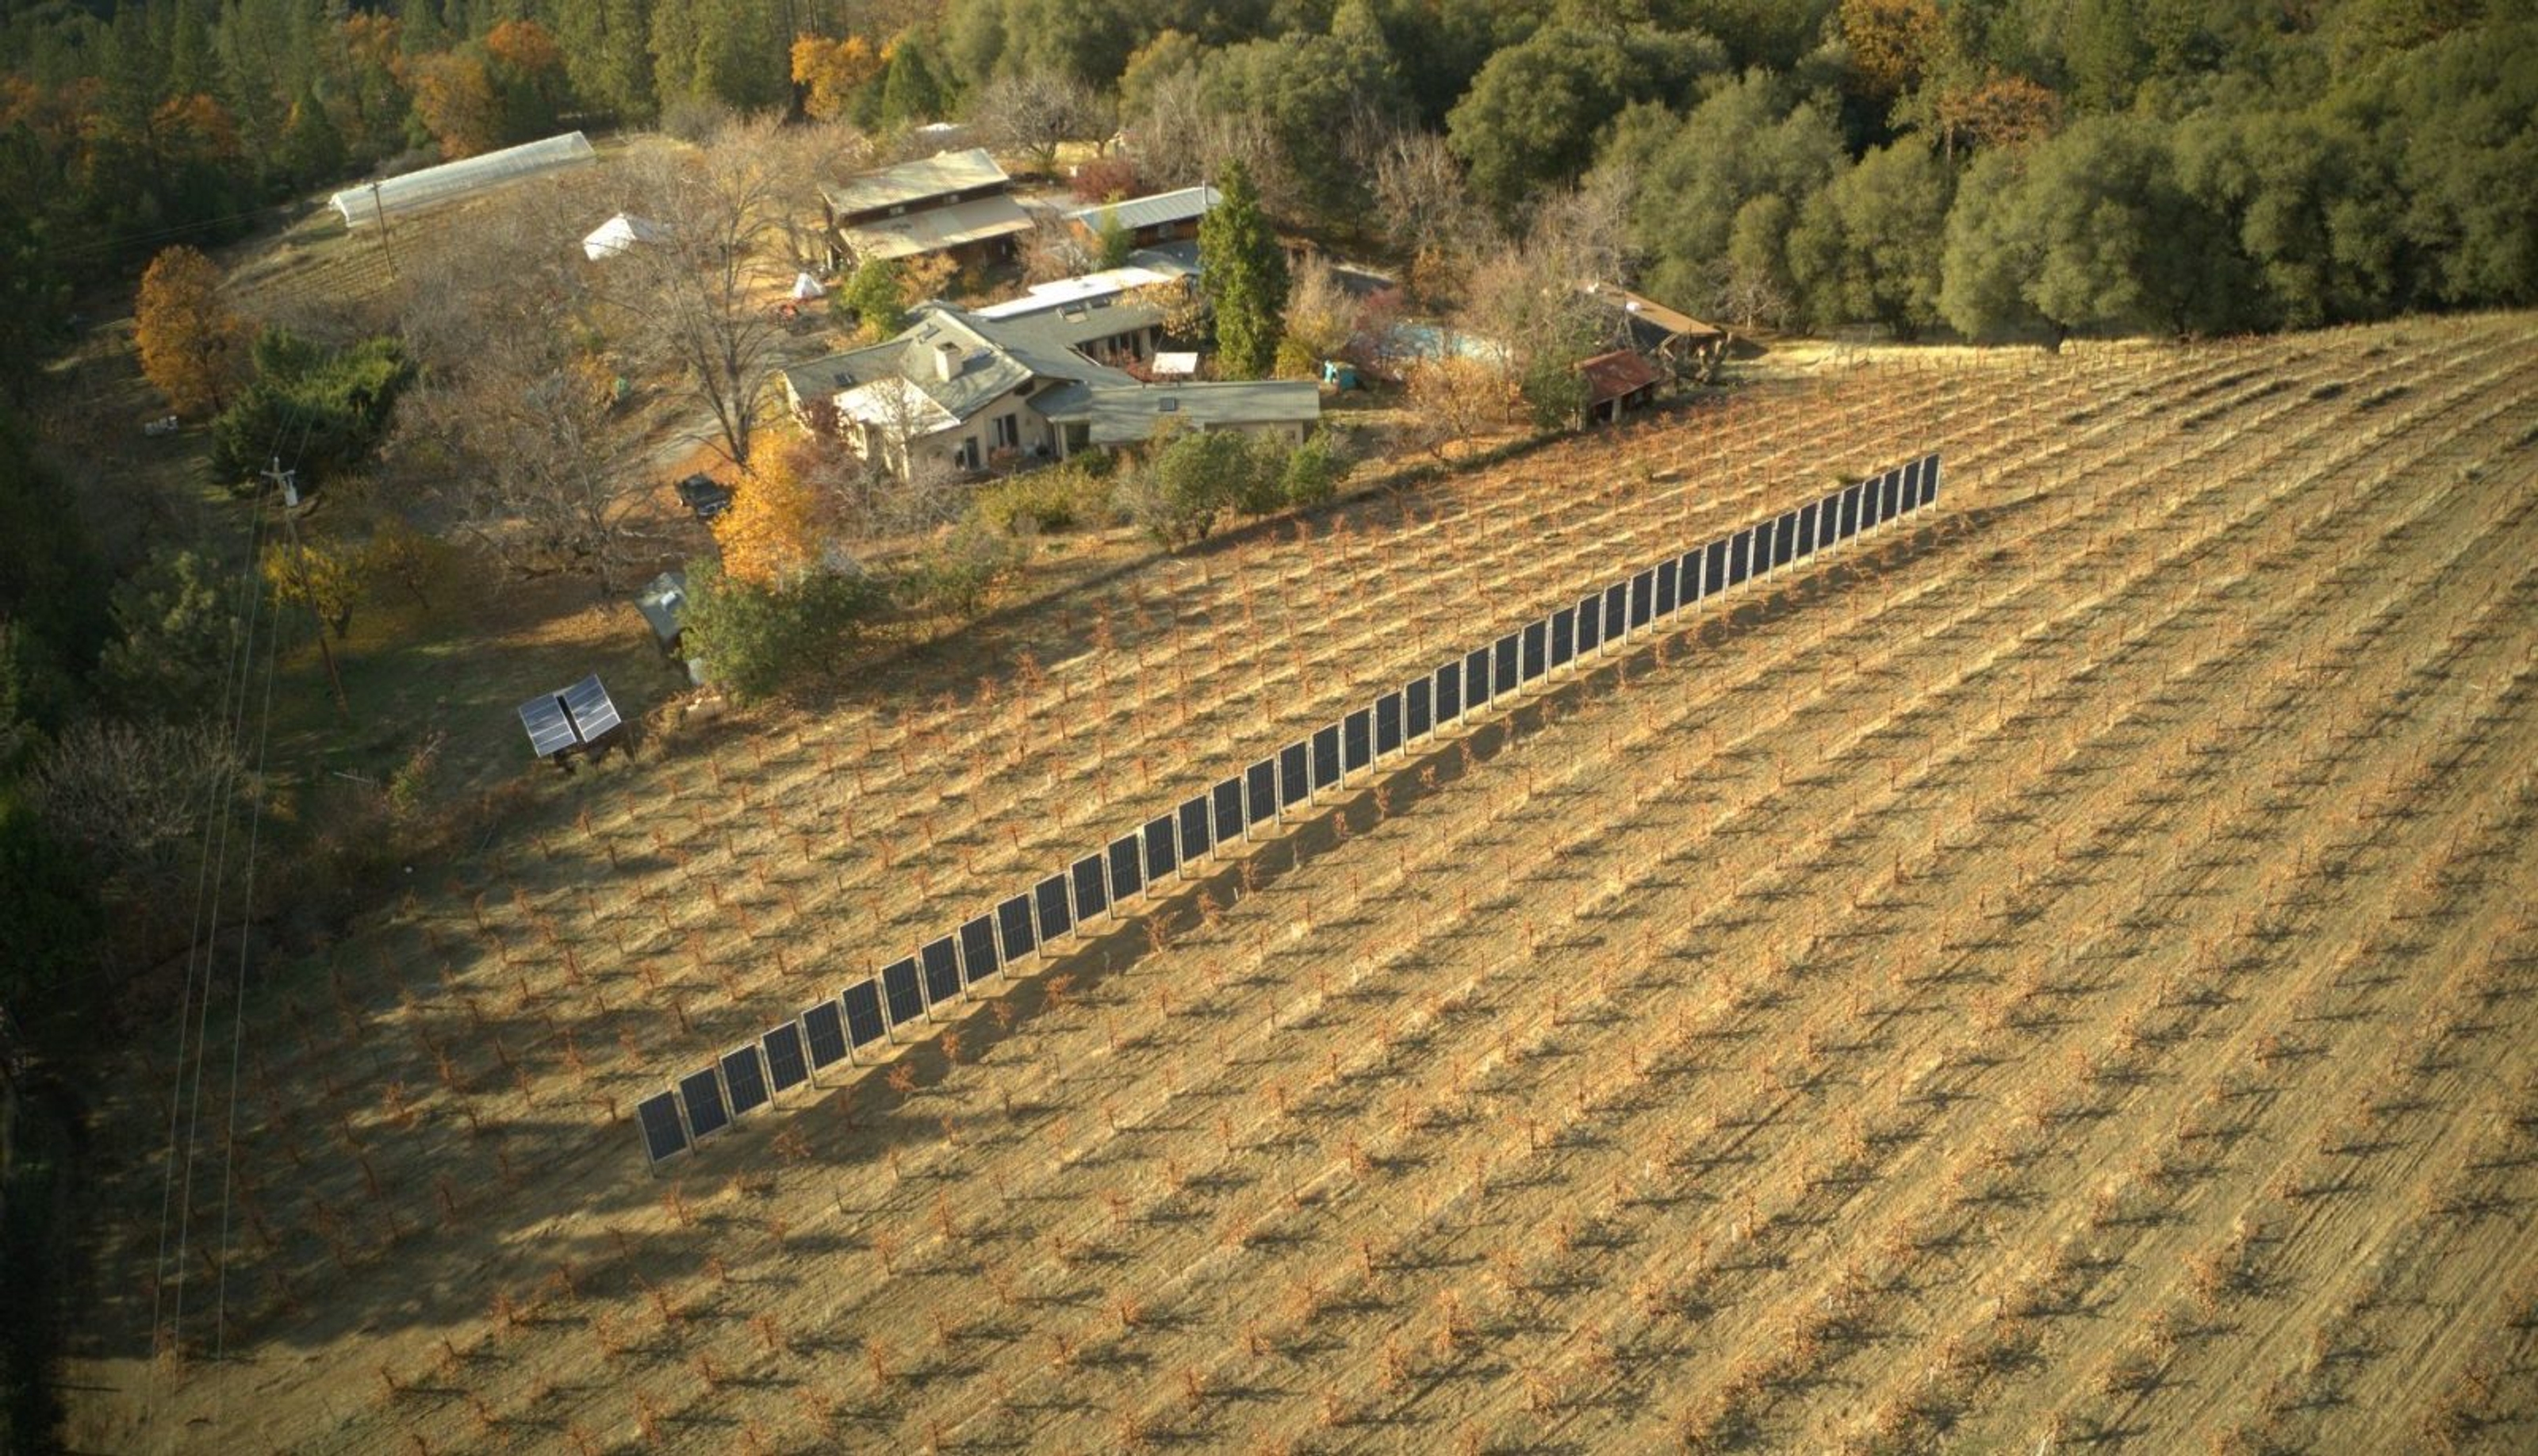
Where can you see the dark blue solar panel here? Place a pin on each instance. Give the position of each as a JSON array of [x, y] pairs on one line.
[[1387, 724], [1689, 579], [1127, 867], [746, 1077], [1929, 479], [1450, 691], [1713, 567], [865, 1024], [1261, 792], [901, 993], [1888, 484], [1740, 555], [1506, 665], [1055, 912], [942, 962], [1872, 503], [1591, 621], [1666, 598], [1564, 636], [1784, 539], [785, 1068], [1418, 701], [1196, 837], [1326, 755], [1476, 678], [1357, 739], [702, 1092], [663, 1133], [823, 1026], [1827, 511], [1295, 774], [1092, 891], [1846, 524], [979, 958], [1163, 850], [1644, 599], [1014, 927], [1805, 529], [1228, 805], [1536, 654], [1616, 612]]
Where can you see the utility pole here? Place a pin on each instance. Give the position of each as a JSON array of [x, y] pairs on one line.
[[288, 481], [379, 214]]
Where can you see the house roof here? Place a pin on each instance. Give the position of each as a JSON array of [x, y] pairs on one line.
[[1650, 311], [1093, 288], [938, 228], [996, 357], [663, 603], [1612, 375], [1154, 211], [1124, 414], [913, 181]]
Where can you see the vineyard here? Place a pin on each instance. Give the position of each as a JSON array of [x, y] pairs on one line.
[[2059, 973]]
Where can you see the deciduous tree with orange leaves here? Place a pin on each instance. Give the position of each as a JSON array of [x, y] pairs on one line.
[[193, 348], [832, 71], [771, 533]]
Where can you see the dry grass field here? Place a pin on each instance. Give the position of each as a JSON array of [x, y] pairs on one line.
[[2058, 975]]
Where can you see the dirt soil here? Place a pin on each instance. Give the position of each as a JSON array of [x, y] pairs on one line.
[[2056, 976]]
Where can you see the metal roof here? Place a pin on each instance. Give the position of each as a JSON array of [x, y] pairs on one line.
[[1155, 211], [938, 228], [1121, 415], [913, 181], [1085, 289], [1612, 375], [663, 603], [994, 358]]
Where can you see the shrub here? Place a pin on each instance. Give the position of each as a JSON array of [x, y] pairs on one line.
[[328, 410], [758, 639], [1060, 497], [1315, 470], [962, 572]]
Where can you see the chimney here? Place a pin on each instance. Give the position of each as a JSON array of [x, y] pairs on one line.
[[947, 362]]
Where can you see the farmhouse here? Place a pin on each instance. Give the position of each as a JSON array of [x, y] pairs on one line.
[[1152, 221], [958, 203], [959, 391]]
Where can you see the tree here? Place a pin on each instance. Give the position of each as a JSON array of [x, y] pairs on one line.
[[176, 632], [1034, 112], [320, 576], [192, 347], [455, 100], [1747, 139], [1424, 209], [876, 296], [133, 797], [1321, 322], [321, 411], [758, 640], [1534, 111], [1244, 277], [1187, 481], [1455, 397], [1306, 99], [831, 73], [912, 88], [1868, 247], [772, 532]]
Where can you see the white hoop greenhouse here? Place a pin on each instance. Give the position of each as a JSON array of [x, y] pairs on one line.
[[394, 197]]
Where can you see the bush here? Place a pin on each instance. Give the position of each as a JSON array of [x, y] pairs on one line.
[[1315, 470], [963, 572], [759, 639], [1054, 498], [322, 411]]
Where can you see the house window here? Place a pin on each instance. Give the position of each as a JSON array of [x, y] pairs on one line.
[[968, 455], [1009, 431]]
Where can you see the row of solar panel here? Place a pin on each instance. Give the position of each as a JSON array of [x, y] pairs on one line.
[[1141, 861]]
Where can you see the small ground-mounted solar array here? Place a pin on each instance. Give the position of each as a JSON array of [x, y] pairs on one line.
[[1153, 857], [580, 719]]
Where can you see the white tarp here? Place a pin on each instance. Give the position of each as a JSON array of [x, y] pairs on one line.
[[806, 288], [1169, 366], [616, 235]]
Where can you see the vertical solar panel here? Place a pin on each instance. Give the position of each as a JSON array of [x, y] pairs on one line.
[[1805, 529], [1846, 524], [1784, 539], [746, 1077], [1888, 484], [902, 994], [1357, 739], [1014, 927], [1326, 755], [1295, 774], [663, 1133], [1056, 912], [1418, 707], [1666, 597], [1537, 651], [1261, 793], [1929, 479], [1127, 868], [1713, 567], [1092, 891], [702, 1094], [785, 1067], [865, 1024], [1163, 850], [1616, 612], [1450, 691], [824, 1027], [1690, 577], [1476, 678], [1740, 556], [1226, 804], [1644, 599], [1591, 621], [1564, 636], [978, 957], [1197, 835], [941, 962], [1506, 665], [1388, 737]]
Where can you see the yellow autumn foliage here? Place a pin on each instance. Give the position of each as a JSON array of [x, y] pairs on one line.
[[771, 534]]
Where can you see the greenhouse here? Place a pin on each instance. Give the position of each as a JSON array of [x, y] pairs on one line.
[[394, 197]]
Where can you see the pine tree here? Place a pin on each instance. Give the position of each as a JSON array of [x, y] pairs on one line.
[[1243, 274]]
